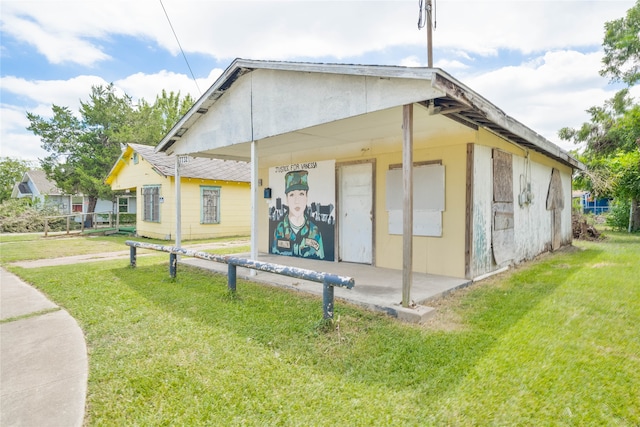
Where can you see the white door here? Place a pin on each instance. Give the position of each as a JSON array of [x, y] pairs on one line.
[[356, 213]]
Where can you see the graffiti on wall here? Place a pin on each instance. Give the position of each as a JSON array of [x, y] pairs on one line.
[[302, 210]]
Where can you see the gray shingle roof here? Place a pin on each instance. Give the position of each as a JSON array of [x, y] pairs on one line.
[[44, 186], [196, 167]]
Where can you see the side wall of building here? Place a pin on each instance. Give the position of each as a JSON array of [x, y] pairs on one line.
[[235, 209], [532, 221], [446, 143], [235, 203]]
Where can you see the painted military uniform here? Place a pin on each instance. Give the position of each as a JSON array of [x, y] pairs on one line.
[[304, 241]]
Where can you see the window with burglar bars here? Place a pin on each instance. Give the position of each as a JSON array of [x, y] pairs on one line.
[[123, 204], [151, 201], [210, 200]]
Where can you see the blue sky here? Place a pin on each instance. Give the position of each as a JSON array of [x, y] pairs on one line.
[[536, 60]]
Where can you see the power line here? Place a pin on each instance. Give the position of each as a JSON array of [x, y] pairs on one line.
[[180, 46]]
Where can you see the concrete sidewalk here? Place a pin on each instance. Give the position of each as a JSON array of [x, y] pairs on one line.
[[43, 359]]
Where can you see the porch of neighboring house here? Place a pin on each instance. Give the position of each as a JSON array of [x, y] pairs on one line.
[[377, 289]]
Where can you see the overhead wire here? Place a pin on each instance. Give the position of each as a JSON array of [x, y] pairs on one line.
[[421, 15], [180, 46], [424, 13]]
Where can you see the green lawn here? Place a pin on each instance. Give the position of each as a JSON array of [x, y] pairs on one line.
[[554, 342], [24, 247]]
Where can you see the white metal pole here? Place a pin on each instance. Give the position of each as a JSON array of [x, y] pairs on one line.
[[178, 204], [254, 203], [429, 35]]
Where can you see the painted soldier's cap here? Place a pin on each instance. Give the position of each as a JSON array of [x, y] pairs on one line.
[[296, 180]]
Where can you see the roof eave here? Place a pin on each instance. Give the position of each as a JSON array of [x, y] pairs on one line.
[[474, 108], [202, 105], [481, 112], [118, 165], [239, 67]]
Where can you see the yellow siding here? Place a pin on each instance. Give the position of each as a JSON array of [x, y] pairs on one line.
[[235, 203], [435, 255], [447, 142], [235, 209]]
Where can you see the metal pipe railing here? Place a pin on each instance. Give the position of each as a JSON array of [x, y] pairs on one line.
[[329, 280]]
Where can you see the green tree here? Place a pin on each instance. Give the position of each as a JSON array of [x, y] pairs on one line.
[[611, 152], [621, 44], [612, 137], [83, 149], [11, 171], [149, 123]]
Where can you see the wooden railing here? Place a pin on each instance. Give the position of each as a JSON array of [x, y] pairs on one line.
[[80, 221]]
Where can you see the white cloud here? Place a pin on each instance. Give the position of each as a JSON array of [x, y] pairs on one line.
[[411, 61], [72, 31], [41, 95], [484, 27], [67, 93], [16, 142], [549, 93], [148, 86], [450, 65]]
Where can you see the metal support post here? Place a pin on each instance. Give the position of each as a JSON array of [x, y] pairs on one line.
[[231, 277], [173, 265], [327, 300], [132, 256]]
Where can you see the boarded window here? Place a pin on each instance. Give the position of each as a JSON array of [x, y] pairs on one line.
[[210, 212], [502, 177], [151, 203], [428, 199]]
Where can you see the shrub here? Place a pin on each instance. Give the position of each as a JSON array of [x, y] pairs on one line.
[[618, 216], [20, 216], [127, 218]]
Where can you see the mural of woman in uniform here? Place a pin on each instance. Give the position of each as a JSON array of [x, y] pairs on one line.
[[296, 234]]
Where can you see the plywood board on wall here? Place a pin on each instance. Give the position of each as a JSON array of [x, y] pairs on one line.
[[502, 235], [428, 200], [425, 223]]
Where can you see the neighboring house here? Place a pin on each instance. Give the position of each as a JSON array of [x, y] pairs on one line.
[[590, 204], [43, 192], [348, 140], [215, 194]]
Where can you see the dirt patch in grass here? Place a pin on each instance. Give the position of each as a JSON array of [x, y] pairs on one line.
[[448, 308], [603, 264]]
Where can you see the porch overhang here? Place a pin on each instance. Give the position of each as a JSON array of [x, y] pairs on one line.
[[446, 96]]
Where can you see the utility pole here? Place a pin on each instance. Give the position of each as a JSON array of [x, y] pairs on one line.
[[429, 36], [425, 18]]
